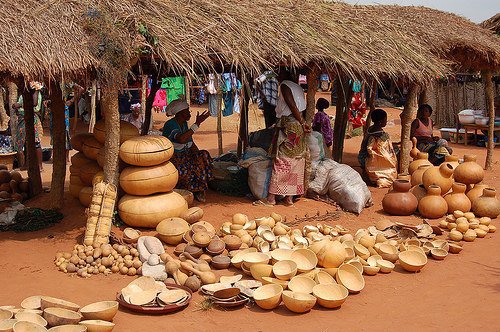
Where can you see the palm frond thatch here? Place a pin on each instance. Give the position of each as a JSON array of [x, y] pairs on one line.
[[493, 23], [60, 38], [260, 33], [449, 36]]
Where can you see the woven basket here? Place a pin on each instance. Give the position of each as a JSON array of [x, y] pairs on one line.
[[100, 214]]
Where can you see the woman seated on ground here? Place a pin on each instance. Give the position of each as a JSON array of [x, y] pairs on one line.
[[377, 156], [194, 165], [421, 129]]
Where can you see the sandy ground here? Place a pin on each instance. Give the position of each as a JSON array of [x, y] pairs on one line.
[[459, 293]]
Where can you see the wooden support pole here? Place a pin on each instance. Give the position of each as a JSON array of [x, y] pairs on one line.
[[93, 104], [187, 85], [76, 99], [344, 95], [243, 131], [339, 118], [112, 137], [59, 149], [31, 155], [12, 92], [312, 79], [3, 112], [371, 105], [144, 92], [219, 124], [155, 86], [407, 117], [490, 106]]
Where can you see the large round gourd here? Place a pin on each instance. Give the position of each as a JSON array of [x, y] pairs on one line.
[[88, 172], [78, 140], [74, 170], [75, 189], [91, 148], [75, 180], [146, 150], [188, 196], [101, 159], [79, 160], [469, 172], [148, 211], [85, 196], [332, 254], [149, 180], [127, 131]]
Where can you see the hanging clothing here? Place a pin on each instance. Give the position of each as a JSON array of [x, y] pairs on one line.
[[357, 112], [356, 86], [282, 108], [201, 96], [213, 102], [228, 98], [226, 87], [302, 79], [230, 87], [214, 97], [212, 84], [160, 100], [175, 88], [198, 95], [324, 82], [267, 90]]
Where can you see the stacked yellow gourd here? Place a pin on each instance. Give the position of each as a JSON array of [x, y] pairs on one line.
[[88, 163], [149, 182]]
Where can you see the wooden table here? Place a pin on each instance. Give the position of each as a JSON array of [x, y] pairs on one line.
[[475, 128]]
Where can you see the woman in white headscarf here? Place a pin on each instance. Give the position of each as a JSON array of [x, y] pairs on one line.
[[194, 165]]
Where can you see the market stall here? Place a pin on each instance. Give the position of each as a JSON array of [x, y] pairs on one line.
[[320, 262]]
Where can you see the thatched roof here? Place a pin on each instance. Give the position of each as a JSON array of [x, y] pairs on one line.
[[256, 33], [54, 39], [447, 35], [493, 23], [41, 39]]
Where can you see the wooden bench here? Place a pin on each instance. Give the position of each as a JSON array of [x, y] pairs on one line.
[[474, 128]]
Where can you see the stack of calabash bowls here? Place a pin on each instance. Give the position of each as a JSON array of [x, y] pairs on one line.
[[87, 165], [149, 182], [38, 313]]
